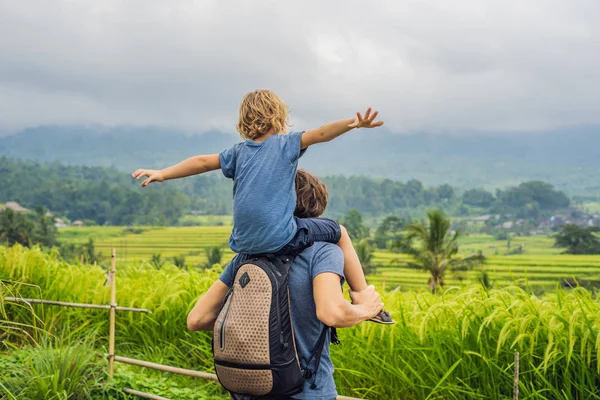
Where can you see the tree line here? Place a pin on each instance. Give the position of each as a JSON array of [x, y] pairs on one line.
[[28, 229], [106, 196]]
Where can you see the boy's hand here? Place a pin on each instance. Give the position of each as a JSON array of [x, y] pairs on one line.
[[367, 122], [369, 299], [153, 175]]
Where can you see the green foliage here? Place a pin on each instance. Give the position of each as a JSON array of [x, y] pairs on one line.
[[13, 333], [44, 232], [484, 279], [578, 240], [14, 228], [436, 249], [214, 255], [519, 250], [51, 371], [529, 198], [85, 252], [389, 231], [89, 252], [109, 197], [353, 222], [179, 262], [364, 251], [160, 337], [457, 345], [170, 386], [157, 261], [27, 229], [478, 198], [100, 194]]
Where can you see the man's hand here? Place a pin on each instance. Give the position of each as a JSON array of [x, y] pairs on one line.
[[367, 122], [369, 299], [153, 175]]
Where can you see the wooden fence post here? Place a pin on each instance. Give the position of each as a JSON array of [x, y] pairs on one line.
[[516, 381], [113, 310]]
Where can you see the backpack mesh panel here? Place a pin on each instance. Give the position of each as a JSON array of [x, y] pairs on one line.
[[256, 382], [245, 339]]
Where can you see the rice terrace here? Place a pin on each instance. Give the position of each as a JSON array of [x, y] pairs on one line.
[[456, 345], [541, 266]]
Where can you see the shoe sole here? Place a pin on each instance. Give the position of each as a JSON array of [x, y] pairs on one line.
[[378, 321]]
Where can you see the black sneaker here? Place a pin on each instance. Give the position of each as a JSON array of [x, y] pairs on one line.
[[383, 317]]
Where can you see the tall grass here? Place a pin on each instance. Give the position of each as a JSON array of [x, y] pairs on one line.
[[458, 345], [51, 371], [542, 264]]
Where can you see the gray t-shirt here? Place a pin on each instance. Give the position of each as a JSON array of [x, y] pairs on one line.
[[317, 259], [264, 192]]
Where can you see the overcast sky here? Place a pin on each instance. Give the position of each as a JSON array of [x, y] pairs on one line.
[[426, 65]]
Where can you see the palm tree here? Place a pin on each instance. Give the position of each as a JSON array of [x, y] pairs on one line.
[[157, 261], [14, 228], [44, 232], [365, 255], [436, 249], [179, 261], [214, 255]]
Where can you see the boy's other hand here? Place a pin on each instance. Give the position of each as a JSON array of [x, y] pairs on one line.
[[368, 121], [153, 175]]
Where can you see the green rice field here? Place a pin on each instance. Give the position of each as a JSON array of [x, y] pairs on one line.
[[457, 345], [540, 265]]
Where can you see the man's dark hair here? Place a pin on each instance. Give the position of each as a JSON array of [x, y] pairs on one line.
[[311, 195]]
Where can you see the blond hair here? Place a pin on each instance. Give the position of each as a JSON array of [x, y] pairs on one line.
[[261, 111]]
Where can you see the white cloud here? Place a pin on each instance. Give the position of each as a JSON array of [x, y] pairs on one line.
[[427, 65]]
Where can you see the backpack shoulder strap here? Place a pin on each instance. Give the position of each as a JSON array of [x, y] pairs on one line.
[[282, 261], [318, 352]]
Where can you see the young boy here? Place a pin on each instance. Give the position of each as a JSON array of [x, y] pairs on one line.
[[263, 169]]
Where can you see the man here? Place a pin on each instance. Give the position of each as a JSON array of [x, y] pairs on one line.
[[316, 296]]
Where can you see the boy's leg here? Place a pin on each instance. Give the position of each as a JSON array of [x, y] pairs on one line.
[[353, 271], [312, 230]]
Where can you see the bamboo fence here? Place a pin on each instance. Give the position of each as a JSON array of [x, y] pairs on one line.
[[112, 357]]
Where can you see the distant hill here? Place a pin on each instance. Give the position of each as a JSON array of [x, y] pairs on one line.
[[567, 158]]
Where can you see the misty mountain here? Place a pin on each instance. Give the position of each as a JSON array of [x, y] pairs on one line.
[[568, 158]]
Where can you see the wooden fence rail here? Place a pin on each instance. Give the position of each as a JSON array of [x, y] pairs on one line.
[[76, 305], [144, 395], [166, 368]]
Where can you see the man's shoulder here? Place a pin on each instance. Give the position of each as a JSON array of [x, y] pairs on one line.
[[321, 249], [324, 257]]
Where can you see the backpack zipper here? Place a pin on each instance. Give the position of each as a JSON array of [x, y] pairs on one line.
[[274, 271], [222, 333], [255, 366]]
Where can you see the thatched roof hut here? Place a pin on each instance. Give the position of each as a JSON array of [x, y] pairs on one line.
[[13, 205]]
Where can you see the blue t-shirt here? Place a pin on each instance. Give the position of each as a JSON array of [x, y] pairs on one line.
[[317, 259], [264, 192]]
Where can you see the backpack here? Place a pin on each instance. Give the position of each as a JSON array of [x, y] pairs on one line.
[[254, 346]]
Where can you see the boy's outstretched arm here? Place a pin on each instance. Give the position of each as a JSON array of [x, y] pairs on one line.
[[334, 129], [192, 166]]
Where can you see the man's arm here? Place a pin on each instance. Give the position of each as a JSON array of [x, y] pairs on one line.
[[334, 310], [332, 130], [191, 166], [204, 314]]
